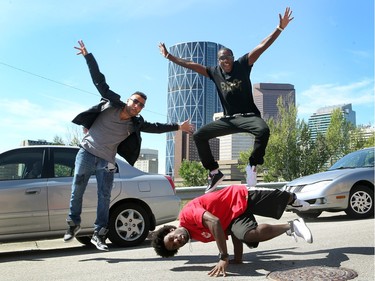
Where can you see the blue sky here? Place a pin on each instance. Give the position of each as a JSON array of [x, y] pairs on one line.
[[326, 52]]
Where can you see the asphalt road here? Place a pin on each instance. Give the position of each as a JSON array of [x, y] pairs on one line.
[[338, 243]]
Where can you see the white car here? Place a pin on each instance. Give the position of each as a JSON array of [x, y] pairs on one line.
[[35, 188], [346, 186]]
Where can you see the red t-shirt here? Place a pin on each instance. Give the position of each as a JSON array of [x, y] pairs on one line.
[[225, 204]]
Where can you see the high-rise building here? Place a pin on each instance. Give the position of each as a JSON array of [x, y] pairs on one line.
[[148, 161], [319, 121], [266, 95], [35, 142], [190, 95]]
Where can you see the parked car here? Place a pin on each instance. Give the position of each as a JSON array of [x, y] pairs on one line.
[[348, 185], [35, 188]]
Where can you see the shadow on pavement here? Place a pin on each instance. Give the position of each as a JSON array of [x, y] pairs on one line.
[[257, 263], [260, 263], [341, 216], [43, 254]]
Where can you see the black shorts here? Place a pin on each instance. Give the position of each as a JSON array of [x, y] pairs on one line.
[[266, 203]]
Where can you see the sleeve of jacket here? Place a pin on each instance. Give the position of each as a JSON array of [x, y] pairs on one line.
[[99, 81], [158, 128]]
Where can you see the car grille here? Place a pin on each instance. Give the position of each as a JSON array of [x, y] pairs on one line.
[[297, 188]]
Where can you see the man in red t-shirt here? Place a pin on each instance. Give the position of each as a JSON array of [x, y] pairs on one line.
[[231, 210]]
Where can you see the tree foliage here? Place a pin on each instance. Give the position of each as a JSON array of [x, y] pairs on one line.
[[291, 152], [74, 136], [193, 173], [370, 142], [338, 136], [57, 140]]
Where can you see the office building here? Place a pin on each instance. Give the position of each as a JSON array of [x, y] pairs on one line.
[[35, 142], [185, 148], [148, 161], [190, 95], [266, 96], [319, 121]]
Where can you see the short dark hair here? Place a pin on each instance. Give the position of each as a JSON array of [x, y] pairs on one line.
[[158, 242], [143, 95], [225, 49]]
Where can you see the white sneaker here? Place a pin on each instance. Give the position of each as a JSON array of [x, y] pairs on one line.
[[300, 205], [251, 176], [291, 233], [300, 229]]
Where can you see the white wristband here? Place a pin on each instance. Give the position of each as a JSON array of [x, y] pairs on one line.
[[167, 56], [280, 28]]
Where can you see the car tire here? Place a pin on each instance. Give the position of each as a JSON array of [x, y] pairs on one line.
[[361, 202], [129, 225]]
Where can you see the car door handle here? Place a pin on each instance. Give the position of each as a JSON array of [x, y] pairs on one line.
[[32, 191]]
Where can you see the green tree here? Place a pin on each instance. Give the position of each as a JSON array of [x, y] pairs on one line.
[[338, 136], [290, 152], [58, 140], [193, 173], [280, 162], [358, 139], [370, 142], [282, 153], [74, 135]]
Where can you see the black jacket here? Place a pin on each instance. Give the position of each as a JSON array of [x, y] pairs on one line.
[[131, 146]]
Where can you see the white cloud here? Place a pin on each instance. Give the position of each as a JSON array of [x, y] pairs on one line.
[[23, 119], [359, 94]]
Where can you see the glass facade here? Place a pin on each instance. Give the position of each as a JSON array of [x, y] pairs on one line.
[[190, 95], [320, 121]]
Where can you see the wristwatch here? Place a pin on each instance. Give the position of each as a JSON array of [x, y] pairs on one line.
[[223, 257]]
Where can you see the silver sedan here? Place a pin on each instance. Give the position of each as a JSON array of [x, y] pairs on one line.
[[348, 186], [35, 188]]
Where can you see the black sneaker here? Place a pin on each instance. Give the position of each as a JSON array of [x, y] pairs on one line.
[[71, 232], [98, 239], [213, 181]]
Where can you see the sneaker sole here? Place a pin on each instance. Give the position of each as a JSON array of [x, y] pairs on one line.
[[101, 249], [74, 235], [310, 238]]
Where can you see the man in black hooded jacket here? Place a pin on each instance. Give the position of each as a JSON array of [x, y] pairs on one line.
[[113, 126]]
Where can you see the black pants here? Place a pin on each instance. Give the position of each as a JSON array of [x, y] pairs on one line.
[[266, 203], [231, 125]]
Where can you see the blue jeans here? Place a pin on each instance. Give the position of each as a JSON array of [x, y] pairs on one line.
[[87, 164]]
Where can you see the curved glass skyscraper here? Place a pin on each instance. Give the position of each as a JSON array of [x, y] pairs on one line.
[[190, 95]]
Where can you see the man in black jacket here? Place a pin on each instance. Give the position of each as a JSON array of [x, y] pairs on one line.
[[113, 127]]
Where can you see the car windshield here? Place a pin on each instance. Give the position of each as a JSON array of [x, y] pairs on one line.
[[358, 159]]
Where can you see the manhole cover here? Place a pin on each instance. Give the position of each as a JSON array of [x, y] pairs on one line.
[[313, 273]]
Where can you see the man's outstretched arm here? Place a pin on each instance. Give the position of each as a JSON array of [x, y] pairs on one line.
[[201, 69], [97, 77], [258, 50]]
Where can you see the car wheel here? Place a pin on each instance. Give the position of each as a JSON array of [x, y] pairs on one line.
[[305, 215], [128, 225], [85, 240], [361, 202]]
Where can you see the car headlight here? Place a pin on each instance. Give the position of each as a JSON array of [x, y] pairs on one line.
[[315, 186]]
